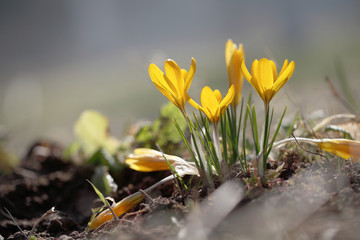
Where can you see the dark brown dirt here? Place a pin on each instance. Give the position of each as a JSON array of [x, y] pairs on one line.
[[44, 180]]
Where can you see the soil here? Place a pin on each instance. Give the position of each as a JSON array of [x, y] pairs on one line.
[[44, 180]]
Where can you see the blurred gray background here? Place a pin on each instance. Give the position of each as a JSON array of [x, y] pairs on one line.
[[58, 58]]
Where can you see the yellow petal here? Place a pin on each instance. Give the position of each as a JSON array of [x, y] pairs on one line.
[[284, 76], [286, 63], [146, 151], [120, 208], [218, 95], [193, 103], [265, 73], [158, 78], [184, 73], [209, 99], [347, 149], [254, 69], [173, 73], [190, 74], [245, 71], [148, 160], [228, 99], [255, 81], [274, 71], [147, 166], [167, 94], [234, 68], [229, 49]]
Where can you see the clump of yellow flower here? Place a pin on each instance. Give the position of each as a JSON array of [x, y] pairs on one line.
[[234, 56], [264, 77], [175, 83], [213, 105]]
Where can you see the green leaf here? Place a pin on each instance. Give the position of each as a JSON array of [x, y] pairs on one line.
[[276, 133], [254, 128], [289, 129], [168, 131], [8, 161], [100, 195], [92, 131], [106, 203], [173, 171], [163, 131], [103, 158]]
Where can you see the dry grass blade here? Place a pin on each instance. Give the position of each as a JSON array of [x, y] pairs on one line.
[[48, 213], [17, 225]]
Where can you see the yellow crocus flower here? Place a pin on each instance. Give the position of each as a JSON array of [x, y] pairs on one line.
[[175, 83], [233, 57], [212, 103], [264, 77]]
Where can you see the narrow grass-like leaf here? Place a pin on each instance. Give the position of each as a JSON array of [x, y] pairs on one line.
[[201, 136], [199, 132], [292, 125], [101, 196], [276, 132], [211, 148], [188, 146], [253, 122], [223, 130], [209, 145], [240, 121], [244, 129], [173, 171], [244, 137]]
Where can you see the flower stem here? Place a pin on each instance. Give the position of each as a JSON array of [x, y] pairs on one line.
[[261, 158], [224, 169], [216, 140]]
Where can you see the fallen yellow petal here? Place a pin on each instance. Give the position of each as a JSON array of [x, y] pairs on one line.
[[344, 148], [149, 160], [124, 205], [120, 208]]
